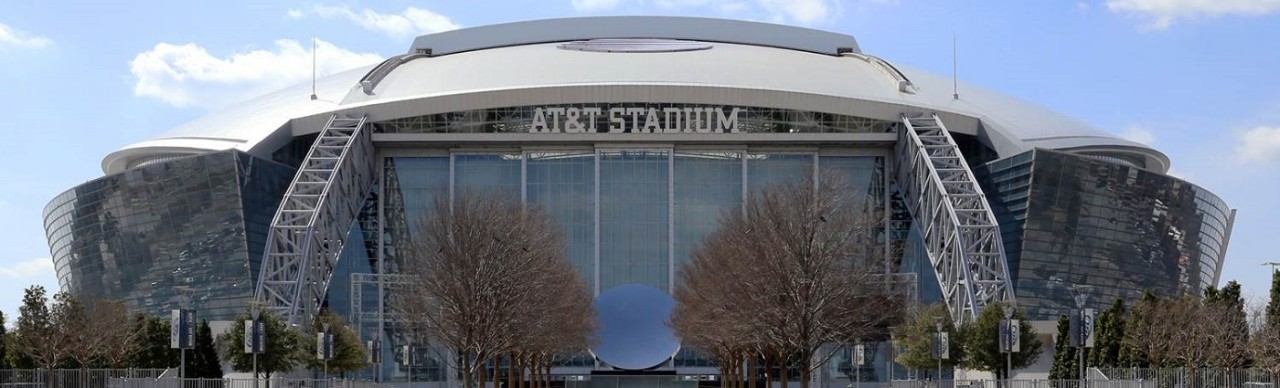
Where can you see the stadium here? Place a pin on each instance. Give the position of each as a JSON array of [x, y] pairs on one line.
[[635, 134]]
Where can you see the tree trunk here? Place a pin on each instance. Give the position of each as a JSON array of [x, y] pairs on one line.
[[751, 371], [522, 381], [731, 371], [466, 371], [768, 371], [533, 374], [511, 370], [783, 372]]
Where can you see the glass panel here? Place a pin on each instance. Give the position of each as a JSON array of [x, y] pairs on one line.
[[564, 185], [413, 185], [633, 218], [707, 185], [497, 174], [766, 169]]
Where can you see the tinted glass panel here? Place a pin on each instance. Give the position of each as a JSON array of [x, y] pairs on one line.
[[184, 233]]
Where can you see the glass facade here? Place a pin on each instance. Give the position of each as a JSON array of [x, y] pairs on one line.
[[1069, 220], [183, 233], [629, 216]]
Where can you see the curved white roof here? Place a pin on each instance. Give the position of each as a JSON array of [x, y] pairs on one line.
[[486, 70]]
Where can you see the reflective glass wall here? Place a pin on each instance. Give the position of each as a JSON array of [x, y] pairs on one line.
[[183, 233], [1117, 230], [629, 216]]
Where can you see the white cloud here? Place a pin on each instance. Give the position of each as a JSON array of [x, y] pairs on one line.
[[10, 36], [409, 23], [1163, 13], [189, 76], [1139, 134], [802, 11], [1260, 144], [594, 5], [42, 267], [293, 13], [805, 12]]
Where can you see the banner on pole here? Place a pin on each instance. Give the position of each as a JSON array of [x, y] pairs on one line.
[[941, 346], [406, 355], [324, 346], [248, 336], [1010, 336], [255, 336], [375, 351], [1082, 328], [1087, 320], [182, 329], [1015, 336], [859, 355]]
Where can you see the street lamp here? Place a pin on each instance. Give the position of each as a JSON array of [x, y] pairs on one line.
[[940, 347], [1009, 334], [1084, 327], [254, 313], [327, 348]]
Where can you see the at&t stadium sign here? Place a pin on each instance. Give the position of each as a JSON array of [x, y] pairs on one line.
[[577, 119]]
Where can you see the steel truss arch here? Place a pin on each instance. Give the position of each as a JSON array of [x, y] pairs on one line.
[[309, 230], [960, 232]]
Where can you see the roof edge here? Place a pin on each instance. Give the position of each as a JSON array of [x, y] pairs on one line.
[[621, 27]]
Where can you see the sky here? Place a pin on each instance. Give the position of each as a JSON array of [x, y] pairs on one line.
[[1196, 79]]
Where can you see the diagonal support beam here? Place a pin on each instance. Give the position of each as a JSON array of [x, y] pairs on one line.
[[959, 229], [310, 228]]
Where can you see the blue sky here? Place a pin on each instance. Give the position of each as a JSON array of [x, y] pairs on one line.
[[1199, 80]]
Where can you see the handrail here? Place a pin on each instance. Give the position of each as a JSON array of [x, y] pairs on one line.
[[377, 73], [904, 84]]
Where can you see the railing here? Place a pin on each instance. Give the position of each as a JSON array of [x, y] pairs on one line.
[[69, 378], [264, 383], [1192, 377], [659, 382], [1009, 384], [375, 75]]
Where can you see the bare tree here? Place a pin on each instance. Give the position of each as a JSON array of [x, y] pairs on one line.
[[1147, 330], [93, 330], [1264, 346], [488, 278], [796, 270], [119, 341]]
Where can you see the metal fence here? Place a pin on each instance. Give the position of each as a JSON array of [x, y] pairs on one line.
[[1189, 377], [249, 383], [70, 378], [1007, 384]]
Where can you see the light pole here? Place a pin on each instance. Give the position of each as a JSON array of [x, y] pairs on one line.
[[893, 344], [327, 350], [1084, 327], [1007, 339], [858, 357], [254, 313], [940, 347]]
